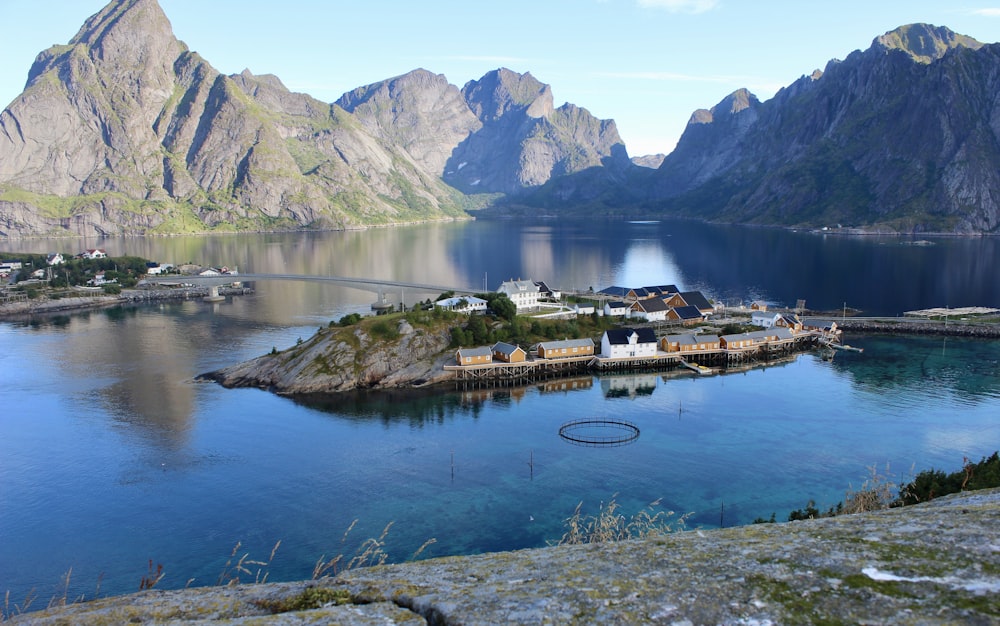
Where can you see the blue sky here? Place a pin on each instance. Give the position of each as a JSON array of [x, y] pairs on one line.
[[647, 64]]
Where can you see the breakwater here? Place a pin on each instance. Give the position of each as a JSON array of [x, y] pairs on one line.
[[920, 327]]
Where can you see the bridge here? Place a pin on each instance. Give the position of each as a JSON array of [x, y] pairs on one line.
[[375, 285]]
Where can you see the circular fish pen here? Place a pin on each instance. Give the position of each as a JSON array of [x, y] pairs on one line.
[[599, 432]]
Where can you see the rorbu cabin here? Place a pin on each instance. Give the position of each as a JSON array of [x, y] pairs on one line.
[[474, 356], [736, 342], [566, 349], [508, 353]]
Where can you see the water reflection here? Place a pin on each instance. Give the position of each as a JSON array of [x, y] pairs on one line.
[[879, 275]]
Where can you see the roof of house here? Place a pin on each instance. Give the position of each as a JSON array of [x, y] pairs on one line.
[[791, 319], [640, 292], [455, 301], [620, 336], [505, 348], [677, 338], [567, 343], [707, 338], [480, 351], [689, 312], [615, 304], [662, 290], [509, 286], [542, 287], [650, 305], [614, 290], [696, 298]]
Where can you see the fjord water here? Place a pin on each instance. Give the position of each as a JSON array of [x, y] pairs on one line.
[[111, 454]]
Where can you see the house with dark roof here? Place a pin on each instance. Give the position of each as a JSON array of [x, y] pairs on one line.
[[628, 343], [696, 298], [615, 308], [544, 291], [508, 353], [650, 309], [685, 314]]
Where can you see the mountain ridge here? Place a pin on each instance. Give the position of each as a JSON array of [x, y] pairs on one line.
[[125, 130]]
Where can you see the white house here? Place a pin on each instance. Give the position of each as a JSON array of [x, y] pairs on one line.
[[615, 308], [9, 267], [463, 304], [94, 253], [764, 319], [620, 343], [99, 279], [584, 308], [523, 293], [54, 258]]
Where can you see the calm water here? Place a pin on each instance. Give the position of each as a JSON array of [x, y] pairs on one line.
[[110, 454]]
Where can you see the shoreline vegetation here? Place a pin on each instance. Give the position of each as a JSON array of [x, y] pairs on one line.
[[607, 525]]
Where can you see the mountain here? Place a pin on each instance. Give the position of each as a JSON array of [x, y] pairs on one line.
[[902, 137], [125, 130]]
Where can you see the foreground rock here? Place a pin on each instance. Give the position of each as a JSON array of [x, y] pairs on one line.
[[380, 353], [936, 563]]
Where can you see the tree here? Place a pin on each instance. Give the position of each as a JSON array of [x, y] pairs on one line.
[[503, 307]]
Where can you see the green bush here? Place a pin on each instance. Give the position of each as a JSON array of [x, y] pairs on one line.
[[932, 483]]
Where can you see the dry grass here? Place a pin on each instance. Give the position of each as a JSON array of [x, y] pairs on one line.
[[610, 525], [877, 493], [234, 571]]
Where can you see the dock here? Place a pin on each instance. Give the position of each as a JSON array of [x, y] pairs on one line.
[[535, 369]]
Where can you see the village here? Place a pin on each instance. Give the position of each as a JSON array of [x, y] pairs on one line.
[[637, 344]]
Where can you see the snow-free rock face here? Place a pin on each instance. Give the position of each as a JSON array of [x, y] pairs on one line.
[[124, 130], [903, 136], [524, 141], [345, 359]]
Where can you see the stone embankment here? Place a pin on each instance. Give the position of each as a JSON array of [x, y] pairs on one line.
[[99, 300], [934, 563], [920, 327]]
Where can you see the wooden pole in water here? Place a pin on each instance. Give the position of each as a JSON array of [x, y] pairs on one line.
[[722, 513], [452, 466]]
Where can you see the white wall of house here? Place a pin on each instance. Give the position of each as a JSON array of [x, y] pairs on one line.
[[630, 350], [763, 318]]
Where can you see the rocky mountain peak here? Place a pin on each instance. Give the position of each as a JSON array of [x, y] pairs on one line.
[[733, 104], [924, 43], [503, 90]]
